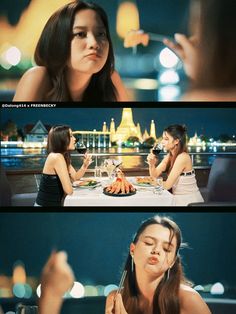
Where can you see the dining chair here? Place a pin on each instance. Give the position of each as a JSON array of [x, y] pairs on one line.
[[221, 185], [7, 198]]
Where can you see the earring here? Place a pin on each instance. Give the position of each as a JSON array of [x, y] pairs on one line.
[[132, 263], [168, 274]]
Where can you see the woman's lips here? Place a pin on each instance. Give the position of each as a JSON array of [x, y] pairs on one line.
[[153, 260], [93, 56]]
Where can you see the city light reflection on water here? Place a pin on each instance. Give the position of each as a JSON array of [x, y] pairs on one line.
[[37, 162]]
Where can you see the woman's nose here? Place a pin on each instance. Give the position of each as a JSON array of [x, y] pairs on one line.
[[92, 42], [155, 250]]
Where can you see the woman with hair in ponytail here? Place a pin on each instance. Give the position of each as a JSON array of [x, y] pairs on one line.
[[154, 282], [177, 164]]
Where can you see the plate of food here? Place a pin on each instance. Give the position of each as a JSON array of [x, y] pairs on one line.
[[120, 187], [144, 181], [85, 183]]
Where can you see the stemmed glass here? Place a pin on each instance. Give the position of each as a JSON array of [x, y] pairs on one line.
[[81, 149], [157, 148]]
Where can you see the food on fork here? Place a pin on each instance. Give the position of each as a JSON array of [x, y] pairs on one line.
[[120, 185]]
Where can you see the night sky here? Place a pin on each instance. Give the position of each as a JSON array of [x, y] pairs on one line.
[[207, 121]]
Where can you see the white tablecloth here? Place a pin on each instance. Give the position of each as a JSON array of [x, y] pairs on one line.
[[95, 197]]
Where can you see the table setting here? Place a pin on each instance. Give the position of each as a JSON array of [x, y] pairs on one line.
[[116, 189]]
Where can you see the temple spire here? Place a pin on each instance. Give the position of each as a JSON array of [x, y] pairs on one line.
[[153, 130], [127, 127]]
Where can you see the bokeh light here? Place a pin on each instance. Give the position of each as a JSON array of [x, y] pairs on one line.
[[109, 288], [217, 289], [168, 58], [169, 77], [77, 290], [13, 55]]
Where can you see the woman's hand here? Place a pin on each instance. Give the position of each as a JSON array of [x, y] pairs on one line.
[[57, 276], [115, 305], [152, 159], [87, 160], [186, 50]]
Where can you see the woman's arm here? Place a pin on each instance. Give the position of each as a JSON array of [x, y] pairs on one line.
[[33, 85], [120, 87], [76, 175], [179, 165], [154, 171], [57, 278]]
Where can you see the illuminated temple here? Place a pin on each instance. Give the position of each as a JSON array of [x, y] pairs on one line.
[[126, 129]]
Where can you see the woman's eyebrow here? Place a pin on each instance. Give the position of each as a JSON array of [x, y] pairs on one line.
[[164, 242], [80, 27], [85, 27]]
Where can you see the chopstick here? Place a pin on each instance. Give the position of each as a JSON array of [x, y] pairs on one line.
[[121, 283], [159, 37]]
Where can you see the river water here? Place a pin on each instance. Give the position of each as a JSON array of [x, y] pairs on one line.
[[11, 161]]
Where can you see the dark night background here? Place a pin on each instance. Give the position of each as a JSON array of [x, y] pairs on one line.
[[97, 243], [163, 16], [207, 121]]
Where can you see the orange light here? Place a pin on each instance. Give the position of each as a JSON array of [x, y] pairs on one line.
[[127, 18], [19, 274]]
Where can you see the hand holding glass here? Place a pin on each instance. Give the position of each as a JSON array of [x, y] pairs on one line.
[[157, 148]]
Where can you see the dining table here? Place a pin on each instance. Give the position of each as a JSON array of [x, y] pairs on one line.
[[95, 197]]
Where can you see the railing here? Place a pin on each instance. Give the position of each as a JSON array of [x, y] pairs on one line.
[[99, 155]]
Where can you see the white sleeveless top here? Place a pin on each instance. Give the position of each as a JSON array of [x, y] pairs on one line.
[[185, 190]]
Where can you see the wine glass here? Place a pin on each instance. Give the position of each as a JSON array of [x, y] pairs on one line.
[[157, 148], [81, 148]]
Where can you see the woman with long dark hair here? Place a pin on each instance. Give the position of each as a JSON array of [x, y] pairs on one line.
[[208, 54], [177, 164], [58, 173], [75, 59], [155, 283]]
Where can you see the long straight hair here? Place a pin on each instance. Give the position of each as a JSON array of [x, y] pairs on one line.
[[166, 296], [58, 141], [177, 131], [216, 66], [53, 52]]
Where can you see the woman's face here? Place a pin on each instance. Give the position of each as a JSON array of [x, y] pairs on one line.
[[168, 141], [72, 141], [154, 253], [89, 46]]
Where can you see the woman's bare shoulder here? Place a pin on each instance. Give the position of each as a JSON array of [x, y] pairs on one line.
[[54, 157], [120, 87], [33, 85], [191, 301], [184, 156]]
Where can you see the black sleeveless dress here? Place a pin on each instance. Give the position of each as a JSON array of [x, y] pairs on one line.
[[50, 192]]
